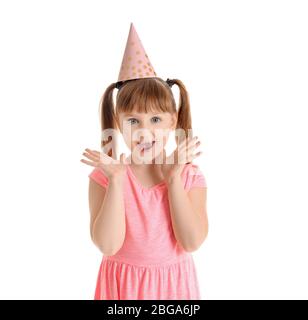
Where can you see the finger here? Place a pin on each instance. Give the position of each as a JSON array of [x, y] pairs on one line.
[[182, 139], [184, 142], [90, 156], [196, 155], [164, 156], [188, 154], [193, 147], [188, 142], [182, 157], [194, 142], [126, 159], [180, 142], [122, 158], [94, 152], [93, 164]]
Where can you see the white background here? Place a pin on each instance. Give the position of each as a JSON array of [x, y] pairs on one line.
[[244, 64]]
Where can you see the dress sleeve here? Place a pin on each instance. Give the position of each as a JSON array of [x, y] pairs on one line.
[[195, 177], [98, 176]]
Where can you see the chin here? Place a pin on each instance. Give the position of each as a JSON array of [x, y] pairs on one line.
[[141, 155]]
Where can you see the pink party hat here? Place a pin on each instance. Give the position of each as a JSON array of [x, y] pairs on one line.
[[135, 63]]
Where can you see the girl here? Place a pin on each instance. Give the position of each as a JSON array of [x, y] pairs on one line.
[[147, 216]]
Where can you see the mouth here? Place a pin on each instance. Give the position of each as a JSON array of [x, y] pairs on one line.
[[145, 146]]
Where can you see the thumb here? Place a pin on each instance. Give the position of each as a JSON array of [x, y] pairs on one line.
[[121, 158]]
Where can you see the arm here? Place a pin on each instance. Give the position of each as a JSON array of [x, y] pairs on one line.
[[107, 225], [188, 214]]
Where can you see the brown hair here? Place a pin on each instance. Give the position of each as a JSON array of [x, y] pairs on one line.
[[144, 95]]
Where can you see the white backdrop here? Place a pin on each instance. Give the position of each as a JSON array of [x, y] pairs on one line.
[[245, 66]]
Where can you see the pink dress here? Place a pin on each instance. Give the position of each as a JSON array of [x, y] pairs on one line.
[[151, 264]]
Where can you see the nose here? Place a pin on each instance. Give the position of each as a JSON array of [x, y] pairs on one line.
[[145, 135]]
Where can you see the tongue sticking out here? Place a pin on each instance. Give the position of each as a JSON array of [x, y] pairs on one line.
[[146, 146]]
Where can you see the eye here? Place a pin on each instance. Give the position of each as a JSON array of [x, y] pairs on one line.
[[131, 120], [156, 119]]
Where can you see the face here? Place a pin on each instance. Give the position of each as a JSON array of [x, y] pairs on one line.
[[146, 134]]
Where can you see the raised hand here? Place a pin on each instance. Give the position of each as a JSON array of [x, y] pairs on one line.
[[174, 164], [111, 167]]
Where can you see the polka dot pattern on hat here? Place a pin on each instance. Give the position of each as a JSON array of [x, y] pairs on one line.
[[135, 62]]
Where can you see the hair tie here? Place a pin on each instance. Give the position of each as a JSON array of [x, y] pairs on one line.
[[169, 82], [118, 84]]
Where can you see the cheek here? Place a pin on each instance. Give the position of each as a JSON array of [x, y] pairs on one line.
[[127, 139]]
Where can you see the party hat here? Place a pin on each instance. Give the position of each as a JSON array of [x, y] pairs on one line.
[[135, 63]]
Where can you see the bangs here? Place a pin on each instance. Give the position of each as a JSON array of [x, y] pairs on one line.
[[145, 95]]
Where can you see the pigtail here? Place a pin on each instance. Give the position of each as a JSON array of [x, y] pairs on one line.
[[184, 115], [107, 116]]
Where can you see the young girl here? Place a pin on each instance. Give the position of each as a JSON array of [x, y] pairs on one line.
[[147, 216]]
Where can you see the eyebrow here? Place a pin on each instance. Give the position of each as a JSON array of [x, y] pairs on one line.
[[129, 115], [136, 115]]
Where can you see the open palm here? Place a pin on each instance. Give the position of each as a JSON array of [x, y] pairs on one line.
[[111, 167], [184, 153]]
